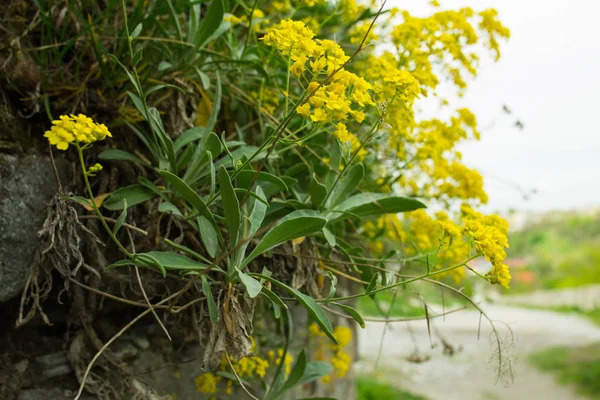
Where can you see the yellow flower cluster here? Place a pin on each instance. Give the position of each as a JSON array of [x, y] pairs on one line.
[[490, 236], [207, 383], [287, 362], [350, 10], [258, 20], [341, 133], [358, 32], [446, 38], [247, 367], [387, 227], [340, 360], [342, 94], [75, 129]]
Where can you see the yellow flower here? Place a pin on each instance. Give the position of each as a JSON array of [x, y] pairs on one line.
[[207, 383], [319, 115], [343, 334], [304, 110], [312, 87], [75, 129]]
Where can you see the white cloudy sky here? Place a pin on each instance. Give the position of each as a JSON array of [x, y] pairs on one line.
[[549, 76]]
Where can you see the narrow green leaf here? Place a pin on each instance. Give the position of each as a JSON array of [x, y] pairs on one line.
[[212, 174], [315, 370], [208, 236], [136, 32], [372, 284], [313, 308], [149, 185], [245, 178], [347, 186], [294, 225], [231, 206], [134, 194], [170, 208], [296, 374], [332, 285], [210, 23], [191, 252], [329, 236], [121, 218], [188, 136], [175, 261], [317, 191], [213, 312], [187, 193], [253, 287], [352, 312], [257, 215], [378, 203], [120, 155], [150, 262]]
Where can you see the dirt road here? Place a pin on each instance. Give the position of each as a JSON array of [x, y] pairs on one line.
[[472, 371]]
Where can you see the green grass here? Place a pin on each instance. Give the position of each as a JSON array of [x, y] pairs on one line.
[[369, 388], [404, 306], [579, 366]]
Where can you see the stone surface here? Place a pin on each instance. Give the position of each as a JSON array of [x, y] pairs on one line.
[[26, 186]]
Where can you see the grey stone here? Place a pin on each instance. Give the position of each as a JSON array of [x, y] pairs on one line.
[[26, 186]]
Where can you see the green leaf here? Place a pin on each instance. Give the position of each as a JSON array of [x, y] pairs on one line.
[[231, 206], [149, 185], [81, 200], [294, 225], [332, 285], [170, 208], [210, 23], [208, 236], [257, 215], [134, 194], [329, 236], [121, 218], [313, 308], [212, 174], [245, 178], [209, 143], [296, 374], [315, 370], [364, 204], [120, 155], [191, 252], [188, 136], [253, 287], [188, 194], [278, 304], [347, 186], [213, 312], [136, 32], [150, 262], [372, 284], [352, 312], [174, 261], [317, 191]]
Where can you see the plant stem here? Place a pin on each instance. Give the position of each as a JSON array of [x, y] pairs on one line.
[[95, 207]]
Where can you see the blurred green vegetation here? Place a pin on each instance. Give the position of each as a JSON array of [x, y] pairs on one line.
[[369, 388], [409, 303], [579, 366], [560, 250]]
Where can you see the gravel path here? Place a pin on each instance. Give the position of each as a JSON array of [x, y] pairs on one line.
[[471, 372]]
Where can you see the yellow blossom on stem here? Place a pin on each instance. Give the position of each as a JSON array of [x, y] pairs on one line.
[[75, 129]]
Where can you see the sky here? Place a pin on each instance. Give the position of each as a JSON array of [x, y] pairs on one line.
[[549, 77]]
